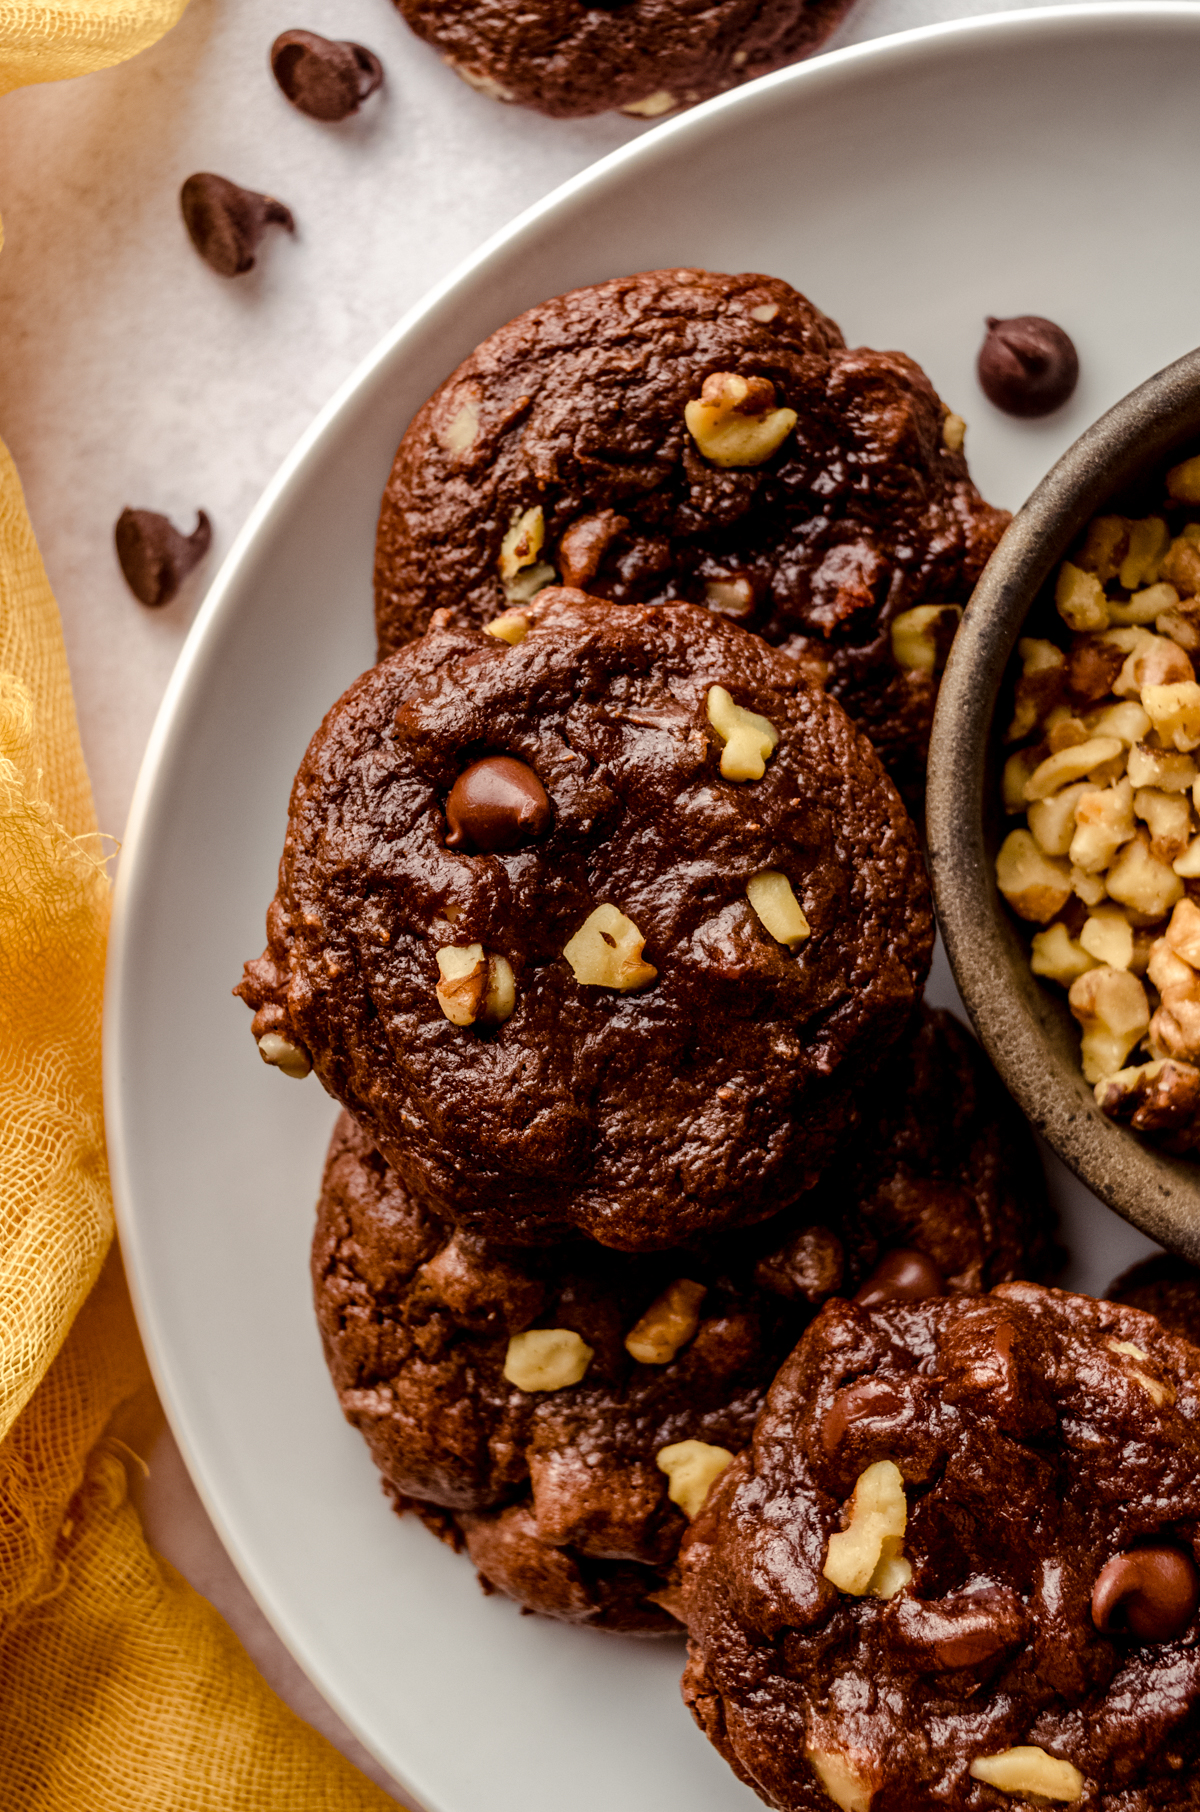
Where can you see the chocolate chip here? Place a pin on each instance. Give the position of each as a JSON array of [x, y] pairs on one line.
[[496, 804], [585, 544], [154, 556], [1027, 365], [225, 223], [964, 1630], [1151, 1592], [327, 78], [867, 1400], [903, 1276]]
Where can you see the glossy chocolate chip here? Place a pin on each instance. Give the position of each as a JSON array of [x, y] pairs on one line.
[[965, 1630], [867, 1400], [1027, 365], [1150, 1592], [154, 556], [903, 1276], [327, 78], [225, 223], [496, 804]]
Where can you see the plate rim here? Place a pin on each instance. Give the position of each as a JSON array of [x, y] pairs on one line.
[[188, 675]]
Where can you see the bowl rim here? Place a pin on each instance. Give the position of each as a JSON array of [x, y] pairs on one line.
[[1013, 1014]]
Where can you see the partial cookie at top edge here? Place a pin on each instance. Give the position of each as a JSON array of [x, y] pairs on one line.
[[649, 57]]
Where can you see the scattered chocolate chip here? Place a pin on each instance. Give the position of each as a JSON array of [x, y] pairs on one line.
[[225, 223], [496, 804], [903, 1276], [154, 556], [327, 78], [1027, 365], [1151, 1592]]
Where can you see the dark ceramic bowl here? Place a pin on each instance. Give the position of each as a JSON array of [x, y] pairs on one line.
[[1025, 1026]]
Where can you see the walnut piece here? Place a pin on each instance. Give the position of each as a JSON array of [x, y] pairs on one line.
[[1165, 769], [668, 1324], [1114, 1015], [1174, 710], [691, 1467], [734, 422], [1147, 886], [921, 637], [283, 1055], [523, 542], [1036, 886], [1028, 1769], [1183, 481], [1052, 820], [1174, 970], [750, 740], [1158, 1390], [606, 952], [1103, 822], [475, 985], [1080, 600], [1159, 1097], [867, 1555], [778, 909], [511, 627], [1069, 764], [1107, 936], [1169, 818], [1043, 671], [546, 1359], [1056, 956], [652, 106], [848, 1790]]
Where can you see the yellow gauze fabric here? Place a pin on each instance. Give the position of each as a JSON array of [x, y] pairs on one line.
[[121, 1690]]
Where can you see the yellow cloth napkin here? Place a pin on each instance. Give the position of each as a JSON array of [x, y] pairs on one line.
[[121, 1689]]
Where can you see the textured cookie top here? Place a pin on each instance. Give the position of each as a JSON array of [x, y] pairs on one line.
[[642, 1014], [567, 59], [417, 1320], [1168, 1288], [817, 495], [956, 1567]]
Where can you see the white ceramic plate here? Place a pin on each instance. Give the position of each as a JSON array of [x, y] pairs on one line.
[[1032, 163]]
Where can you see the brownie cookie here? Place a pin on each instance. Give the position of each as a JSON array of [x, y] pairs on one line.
[[687, 435], [558, 1492], [603, 930], [567, 58], [956, 1566], [1166, 1287]]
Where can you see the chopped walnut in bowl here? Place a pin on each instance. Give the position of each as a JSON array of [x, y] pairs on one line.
[[1101, 788]]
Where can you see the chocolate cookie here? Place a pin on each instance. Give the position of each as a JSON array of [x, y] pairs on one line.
[[567, 58], [687, 435], [602, 931], [557, 1492], [956, 1566], [1166, 1287]]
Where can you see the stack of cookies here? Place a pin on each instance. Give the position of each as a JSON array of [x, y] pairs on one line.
[[601, 914]]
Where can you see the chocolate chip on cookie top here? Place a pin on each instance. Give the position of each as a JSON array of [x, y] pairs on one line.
[[567, 58], [564, 1408], [957, 1565], [648, 1016], [685, 435]]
